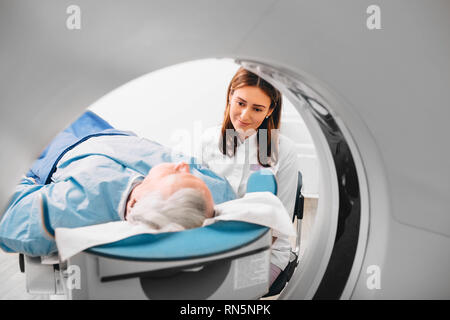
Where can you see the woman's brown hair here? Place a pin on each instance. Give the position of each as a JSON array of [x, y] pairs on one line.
[[227, 145]]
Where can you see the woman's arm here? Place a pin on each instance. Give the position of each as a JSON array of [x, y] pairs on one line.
[[287, 176]]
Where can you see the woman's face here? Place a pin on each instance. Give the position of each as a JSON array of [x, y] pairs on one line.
[[249, 106]]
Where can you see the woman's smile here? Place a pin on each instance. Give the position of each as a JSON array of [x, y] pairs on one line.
[[244, 124]]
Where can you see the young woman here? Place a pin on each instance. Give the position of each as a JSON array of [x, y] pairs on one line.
[[248, 140]]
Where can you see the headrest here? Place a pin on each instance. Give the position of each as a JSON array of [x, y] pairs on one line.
[[261, 181]]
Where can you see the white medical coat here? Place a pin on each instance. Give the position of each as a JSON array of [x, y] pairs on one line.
[[237, 170]]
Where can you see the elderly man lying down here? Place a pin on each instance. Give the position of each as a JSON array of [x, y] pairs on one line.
[[91, 174]]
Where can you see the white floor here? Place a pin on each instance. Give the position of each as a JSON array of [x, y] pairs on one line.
[[13, 282]]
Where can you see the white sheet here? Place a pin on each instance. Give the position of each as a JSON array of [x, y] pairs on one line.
[[262, 208]]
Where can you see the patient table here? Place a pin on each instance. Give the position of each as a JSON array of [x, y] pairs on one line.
[[225, 260]]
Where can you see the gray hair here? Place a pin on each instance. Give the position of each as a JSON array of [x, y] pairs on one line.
[[186, 207]]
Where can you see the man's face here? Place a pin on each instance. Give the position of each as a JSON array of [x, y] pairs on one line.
[[167, 178]]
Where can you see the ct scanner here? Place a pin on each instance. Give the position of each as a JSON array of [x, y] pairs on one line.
[[375, 102]]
